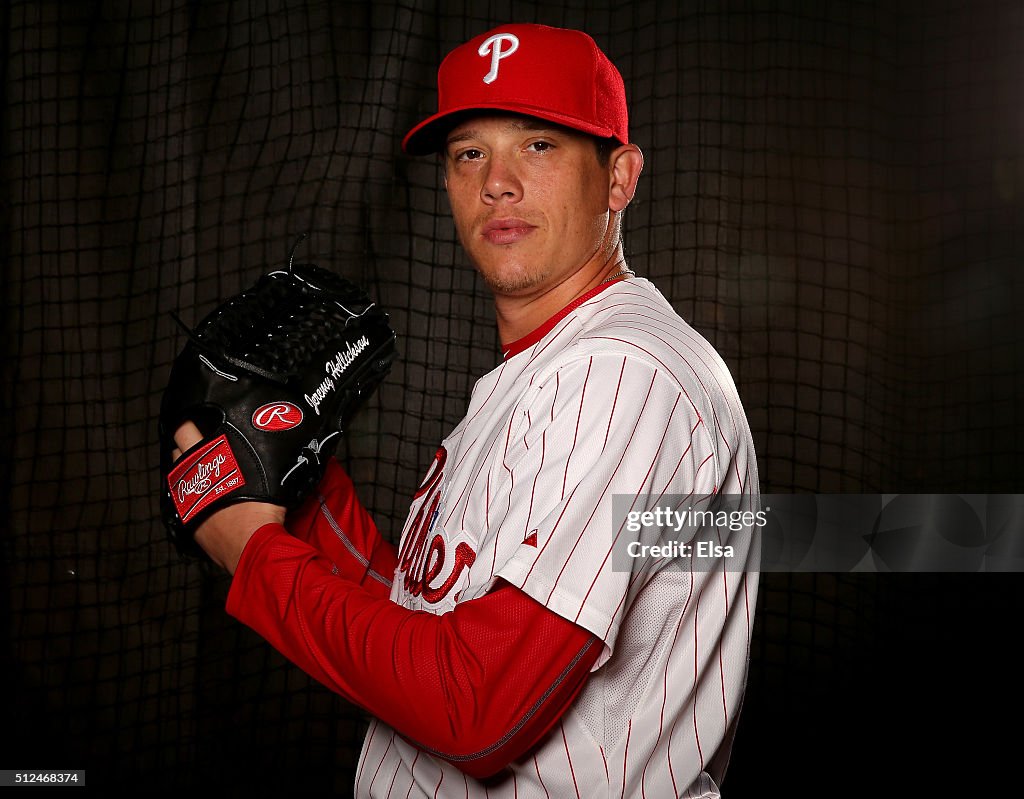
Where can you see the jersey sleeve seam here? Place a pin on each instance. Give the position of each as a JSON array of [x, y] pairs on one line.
[[347, 543], [529, 714]]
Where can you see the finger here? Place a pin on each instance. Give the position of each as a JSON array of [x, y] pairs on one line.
[[187, 436]]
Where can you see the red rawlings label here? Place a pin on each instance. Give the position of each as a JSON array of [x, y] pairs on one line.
[[275, 416], [209, 473]]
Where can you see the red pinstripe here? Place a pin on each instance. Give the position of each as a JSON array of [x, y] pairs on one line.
[[679, 463], [696, 625], [366, 746], [721, 674], [487, 526], [511, 475], [497, 382], [569, 758], [576, 435], [508, 441], [625, 756], [533, 488], [675, 638], [536, 766], [725, 577], [721, 662], [615, 402], [746, 606], [661, 717], [412, 773], [382, 757], [554, 399], [392, 785]]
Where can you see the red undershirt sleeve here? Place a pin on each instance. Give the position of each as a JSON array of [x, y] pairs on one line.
[[334, 521], [478, 686]]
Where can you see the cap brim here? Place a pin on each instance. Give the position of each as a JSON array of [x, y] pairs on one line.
[[429, 135]]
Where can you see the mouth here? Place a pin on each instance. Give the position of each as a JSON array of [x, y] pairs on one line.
[[506, 231]]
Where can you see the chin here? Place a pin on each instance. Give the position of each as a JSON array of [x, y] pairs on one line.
[[510, 279], [513, 282]]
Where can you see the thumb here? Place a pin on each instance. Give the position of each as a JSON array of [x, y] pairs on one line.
[[185, 437]]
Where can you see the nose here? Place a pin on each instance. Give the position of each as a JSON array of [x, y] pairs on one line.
[[501, 181]]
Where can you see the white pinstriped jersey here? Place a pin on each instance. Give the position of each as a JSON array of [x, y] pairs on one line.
[[621, 396]]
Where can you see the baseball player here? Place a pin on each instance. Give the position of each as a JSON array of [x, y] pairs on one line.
[[499, 648]]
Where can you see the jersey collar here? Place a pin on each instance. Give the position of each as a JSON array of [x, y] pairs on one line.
[[512, 349]]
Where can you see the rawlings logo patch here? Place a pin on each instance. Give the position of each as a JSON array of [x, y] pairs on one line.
[[276, 416], [209, 473]]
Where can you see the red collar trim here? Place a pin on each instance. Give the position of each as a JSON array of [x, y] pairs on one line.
[[512, 349]]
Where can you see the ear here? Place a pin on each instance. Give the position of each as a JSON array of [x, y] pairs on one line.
[[624, 166]]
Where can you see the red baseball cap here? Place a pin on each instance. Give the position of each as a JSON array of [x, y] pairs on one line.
[[552, 73]]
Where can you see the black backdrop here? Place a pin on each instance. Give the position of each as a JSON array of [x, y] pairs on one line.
[[834, 195]]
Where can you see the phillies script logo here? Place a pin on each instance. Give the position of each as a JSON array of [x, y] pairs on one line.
[[276, 416], [423, 563]]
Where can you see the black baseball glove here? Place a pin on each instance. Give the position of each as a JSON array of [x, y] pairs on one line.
[[271, 378]]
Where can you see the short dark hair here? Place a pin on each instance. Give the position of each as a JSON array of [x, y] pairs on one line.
[[604, 148]]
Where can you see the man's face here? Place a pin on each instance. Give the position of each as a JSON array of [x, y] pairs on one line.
[[529, 199]]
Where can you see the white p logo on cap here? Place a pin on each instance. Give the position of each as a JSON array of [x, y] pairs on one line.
[[493, 45]]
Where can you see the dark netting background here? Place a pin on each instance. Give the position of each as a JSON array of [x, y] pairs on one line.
[[834, 195]]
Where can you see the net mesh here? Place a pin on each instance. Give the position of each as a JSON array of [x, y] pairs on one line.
[[833, 194]]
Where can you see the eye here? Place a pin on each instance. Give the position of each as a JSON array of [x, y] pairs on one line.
[[540, 146], [469, 154]]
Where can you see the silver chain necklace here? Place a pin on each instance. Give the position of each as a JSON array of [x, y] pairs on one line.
[[626, 272]]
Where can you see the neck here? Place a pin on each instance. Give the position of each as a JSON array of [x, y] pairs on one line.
[[520, 314]]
